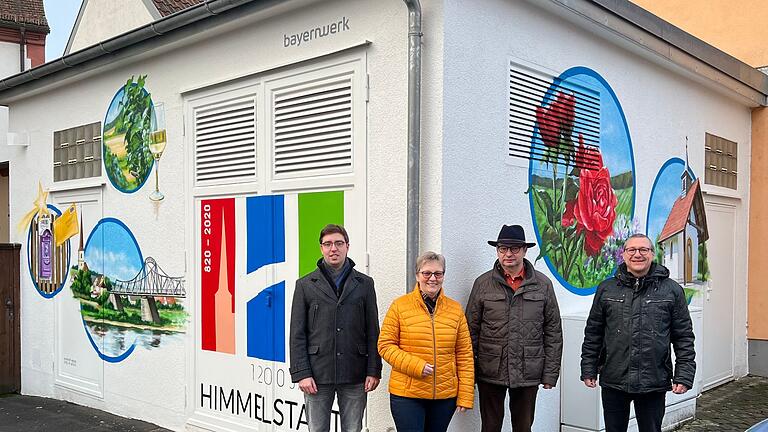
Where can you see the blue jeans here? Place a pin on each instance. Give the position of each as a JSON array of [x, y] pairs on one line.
[[649, 410], [421, 415], [352, 400]]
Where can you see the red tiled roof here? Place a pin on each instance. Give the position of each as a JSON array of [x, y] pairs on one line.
[[678, 216], [29, 12], [167, 7]]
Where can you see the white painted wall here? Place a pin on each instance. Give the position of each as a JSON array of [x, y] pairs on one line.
[[9, 59], [103, 19], [481, 191], [139, 387]]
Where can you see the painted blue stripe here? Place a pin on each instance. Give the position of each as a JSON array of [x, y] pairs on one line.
[[266, 324], [265, 217]]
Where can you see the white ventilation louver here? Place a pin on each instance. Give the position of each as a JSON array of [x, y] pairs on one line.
[[225, 142], [527, 90], [312, 129]]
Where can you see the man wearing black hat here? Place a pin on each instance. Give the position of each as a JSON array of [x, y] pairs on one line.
[[514, 321]]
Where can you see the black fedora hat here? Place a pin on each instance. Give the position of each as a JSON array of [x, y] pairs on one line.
[[512, 235]]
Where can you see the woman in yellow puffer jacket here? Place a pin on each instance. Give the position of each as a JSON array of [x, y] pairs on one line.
[[426, 340]]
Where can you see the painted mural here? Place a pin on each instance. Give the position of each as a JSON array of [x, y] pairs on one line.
[[126, 299], [48, 250], [245, 310], [218, 275], [676, 222], [126, 136], [582, 184]]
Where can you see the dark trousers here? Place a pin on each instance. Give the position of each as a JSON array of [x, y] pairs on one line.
[[421, 415], [649, 410], [522, 403]]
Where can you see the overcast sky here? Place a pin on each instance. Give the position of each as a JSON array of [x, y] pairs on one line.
[[61, 16]]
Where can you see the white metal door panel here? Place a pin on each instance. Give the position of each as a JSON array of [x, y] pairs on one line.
[[716, 358]]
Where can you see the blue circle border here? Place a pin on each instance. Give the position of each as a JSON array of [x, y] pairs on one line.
[[128, 352], [579, 70], [103, 145], [29, 258]]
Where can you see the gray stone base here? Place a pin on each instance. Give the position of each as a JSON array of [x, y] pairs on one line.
[[758, 357]]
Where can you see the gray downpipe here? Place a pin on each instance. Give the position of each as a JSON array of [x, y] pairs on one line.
[[414, 140]]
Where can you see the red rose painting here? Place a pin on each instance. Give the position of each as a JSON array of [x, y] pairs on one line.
[[594, 209], [574, 197]]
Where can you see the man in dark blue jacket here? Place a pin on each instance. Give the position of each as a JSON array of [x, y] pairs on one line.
[[635, 317], [334, 332]]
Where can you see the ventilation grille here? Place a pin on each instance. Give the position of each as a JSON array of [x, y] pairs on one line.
[[529, 92], [313, 130], [225, 142]]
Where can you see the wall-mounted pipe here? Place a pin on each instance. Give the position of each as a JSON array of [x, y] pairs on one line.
[[22, 48], [414, 140]]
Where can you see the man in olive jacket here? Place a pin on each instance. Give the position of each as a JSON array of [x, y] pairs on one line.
[[635, 316], [334, 331], [514, 321]]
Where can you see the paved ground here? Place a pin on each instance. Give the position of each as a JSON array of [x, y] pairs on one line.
[[733, 407], [35, 414]]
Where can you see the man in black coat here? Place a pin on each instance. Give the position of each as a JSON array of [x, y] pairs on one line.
[[635, 317], [334, 331]]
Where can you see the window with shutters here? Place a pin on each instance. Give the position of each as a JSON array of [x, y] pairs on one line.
[[313, 128], [720, 159], [224, 139], [531, 90], [295, 128]]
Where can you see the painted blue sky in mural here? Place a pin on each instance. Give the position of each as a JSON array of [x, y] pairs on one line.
[[112, 250], [666, 189]]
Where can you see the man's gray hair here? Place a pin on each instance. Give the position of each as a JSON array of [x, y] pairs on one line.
[[641, 235], [429, 256]]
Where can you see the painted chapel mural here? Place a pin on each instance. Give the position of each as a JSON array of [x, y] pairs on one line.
[[677, 223], [582, 181]]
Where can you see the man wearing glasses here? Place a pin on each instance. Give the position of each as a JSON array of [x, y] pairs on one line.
[[635, 317], [334, 331], [514, 321]]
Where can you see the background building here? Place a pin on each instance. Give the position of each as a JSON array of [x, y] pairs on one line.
[[23, 28]]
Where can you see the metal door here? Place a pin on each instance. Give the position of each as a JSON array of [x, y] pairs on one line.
[[716, 360]]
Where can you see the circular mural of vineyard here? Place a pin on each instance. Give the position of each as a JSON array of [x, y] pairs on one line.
[[581, 180], [127, 159]]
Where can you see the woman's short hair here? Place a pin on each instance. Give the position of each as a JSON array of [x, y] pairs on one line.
[[429, 256]]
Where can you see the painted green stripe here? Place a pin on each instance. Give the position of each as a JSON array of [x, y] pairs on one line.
[[316, 210]]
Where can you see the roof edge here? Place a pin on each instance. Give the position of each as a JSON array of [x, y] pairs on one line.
[[172, 22], [673, 37]]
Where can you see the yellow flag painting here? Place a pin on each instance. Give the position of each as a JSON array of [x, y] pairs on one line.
[[65, 226]]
